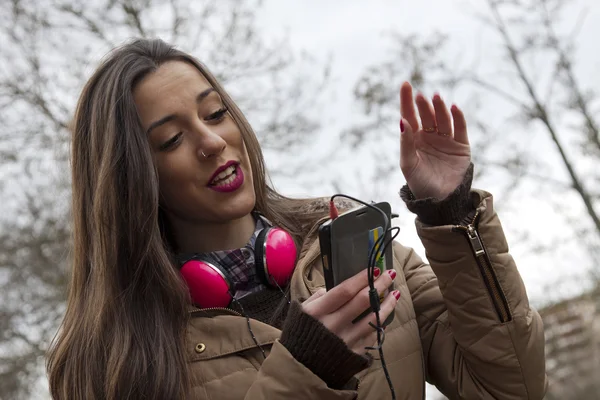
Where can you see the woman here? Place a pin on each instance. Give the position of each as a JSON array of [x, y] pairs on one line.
[[165, 164]]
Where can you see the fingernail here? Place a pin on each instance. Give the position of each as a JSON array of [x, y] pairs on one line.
[[392, 273], [401, 125], [454, 107], [377, 272], [437, 96], [396, 294]]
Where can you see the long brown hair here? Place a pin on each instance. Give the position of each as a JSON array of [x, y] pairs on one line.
[[123, 332]]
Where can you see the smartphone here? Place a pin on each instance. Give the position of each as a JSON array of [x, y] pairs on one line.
[[347, 241]]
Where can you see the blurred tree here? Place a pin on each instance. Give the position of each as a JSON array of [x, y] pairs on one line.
[[550, 141], [48, 50], [548, 146]]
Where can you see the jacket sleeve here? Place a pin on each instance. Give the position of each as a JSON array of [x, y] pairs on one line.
[[307, 361], [281, 376], [481, 339]]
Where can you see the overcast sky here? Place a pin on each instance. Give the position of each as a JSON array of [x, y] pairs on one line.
[[353, 32]]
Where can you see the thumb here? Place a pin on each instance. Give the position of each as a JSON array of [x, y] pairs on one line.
[[408, 151]]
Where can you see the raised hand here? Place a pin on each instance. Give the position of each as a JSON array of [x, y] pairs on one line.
[[434, 154]]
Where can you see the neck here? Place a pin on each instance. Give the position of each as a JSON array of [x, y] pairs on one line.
[[192, 237]]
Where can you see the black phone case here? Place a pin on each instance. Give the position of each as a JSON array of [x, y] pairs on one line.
[[325, 243], [344, 244]]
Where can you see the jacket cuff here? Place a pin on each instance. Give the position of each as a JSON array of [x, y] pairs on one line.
[[451, 210], [320, 350]]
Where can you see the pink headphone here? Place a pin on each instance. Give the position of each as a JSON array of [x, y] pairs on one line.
[[211, 286]]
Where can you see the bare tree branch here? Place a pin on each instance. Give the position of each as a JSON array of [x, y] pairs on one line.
[[48, 51], [541, 113], [134, 15], [567, 68]]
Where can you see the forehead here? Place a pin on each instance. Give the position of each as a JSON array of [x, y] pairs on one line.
[[172, 84]]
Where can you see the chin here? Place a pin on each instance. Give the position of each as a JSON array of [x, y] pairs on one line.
[[238, 207], [241, 210]]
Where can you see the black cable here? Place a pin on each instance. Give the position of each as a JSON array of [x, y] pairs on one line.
[[374, 254], [249, 327], [248, 318], [391, 239], [282, 292], [381, 330], [373, 295]]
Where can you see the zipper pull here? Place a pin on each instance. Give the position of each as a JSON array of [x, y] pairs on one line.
[[475, 241]]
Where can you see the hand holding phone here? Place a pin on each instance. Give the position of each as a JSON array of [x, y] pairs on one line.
[[337, 308], [347, 242]]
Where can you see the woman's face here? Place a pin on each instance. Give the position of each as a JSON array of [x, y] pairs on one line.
[[203, 165]]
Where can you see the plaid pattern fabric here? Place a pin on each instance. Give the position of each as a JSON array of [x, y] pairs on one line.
[[239, 263]]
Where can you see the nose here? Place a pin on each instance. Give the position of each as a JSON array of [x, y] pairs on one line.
[[209, 143], [212, 150]]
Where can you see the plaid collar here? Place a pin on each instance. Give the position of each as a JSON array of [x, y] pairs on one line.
[[240, 263]]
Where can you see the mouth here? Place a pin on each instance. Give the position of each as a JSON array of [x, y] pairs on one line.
[[227, 178], [224, 177]]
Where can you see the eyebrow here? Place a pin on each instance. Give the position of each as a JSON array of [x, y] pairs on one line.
[[201, 96]]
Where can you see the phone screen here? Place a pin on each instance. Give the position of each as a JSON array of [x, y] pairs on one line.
[[374, 235], [352, 251]]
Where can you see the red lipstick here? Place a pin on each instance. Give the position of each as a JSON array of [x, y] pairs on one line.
[[227, 178]]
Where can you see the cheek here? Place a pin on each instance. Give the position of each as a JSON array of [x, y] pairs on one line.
[[243, 149], [246, 160], [169, 169], [175, 176]]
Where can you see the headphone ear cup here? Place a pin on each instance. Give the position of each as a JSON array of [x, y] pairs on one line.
[[209, 285], [259, 256], [275, 253]]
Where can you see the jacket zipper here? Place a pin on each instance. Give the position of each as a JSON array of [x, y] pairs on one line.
[[485, 266]]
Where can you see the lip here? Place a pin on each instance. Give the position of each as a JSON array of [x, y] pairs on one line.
[[233, 185], [221, 169]]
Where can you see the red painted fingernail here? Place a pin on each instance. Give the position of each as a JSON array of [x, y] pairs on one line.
[[392, 273], [437, 96], [401, 125], [454, 107], [396, 294], [376, 272]]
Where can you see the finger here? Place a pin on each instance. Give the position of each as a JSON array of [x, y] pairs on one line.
[[408, 151], [387, 307], [361, 301], [442, 116], [460, 125], [360, 346], [338, 296], [427, 113], [363, 331], [407, 105], [315, 296]]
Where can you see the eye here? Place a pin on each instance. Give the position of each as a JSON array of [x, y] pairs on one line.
[[171, 143], [217, 116]]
